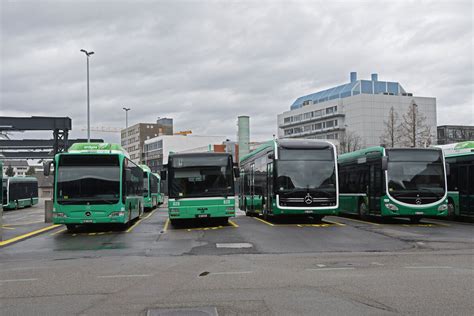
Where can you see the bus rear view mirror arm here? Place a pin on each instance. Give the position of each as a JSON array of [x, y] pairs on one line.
[[47, 168], [384, 163]]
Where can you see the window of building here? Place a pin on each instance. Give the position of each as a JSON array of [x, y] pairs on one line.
[[317, 113], [329, 124]]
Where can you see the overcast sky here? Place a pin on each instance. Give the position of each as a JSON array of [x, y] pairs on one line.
[[203, 63]]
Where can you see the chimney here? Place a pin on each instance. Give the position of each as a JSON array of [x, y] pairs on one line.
[[353, 76], [375, 77]]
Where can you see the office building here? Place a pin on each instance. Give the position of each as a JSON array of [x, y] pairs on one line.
[[448, 134], [357, 108]]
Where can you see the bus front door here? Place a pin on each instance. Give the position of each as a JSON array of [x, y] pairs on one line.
[[375, 188], [466, 190], [268, 198]]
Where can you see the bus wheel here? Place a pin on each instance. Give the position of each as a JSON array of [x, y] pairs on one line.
[[415, 219], [317, 218], [71, 227], [362, 210], [451, 211], [222, 221], [175, 222]]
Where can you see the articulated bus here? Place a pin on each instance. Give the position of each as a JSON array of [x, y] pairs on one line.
[[151, 189], [461, 179], [393, 182], [290, 177], [96, 183], [19, 192], [201, 185]]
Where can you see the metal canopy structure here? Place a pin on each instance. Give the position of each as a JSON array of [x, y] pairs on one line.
[[36, 148]]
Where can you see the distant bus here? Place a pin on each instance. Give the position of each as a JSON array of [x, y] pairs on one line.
[[290, 177], [19, 192], [160, 195], [461, 179], [393, 182], [96, 183], [201, 185], [151, 189]]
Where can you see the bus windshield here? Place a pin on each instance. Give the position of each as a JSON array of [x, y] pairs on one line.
[[416, 170], [306, 169], [93, 179], [145, 185], [213, 178]]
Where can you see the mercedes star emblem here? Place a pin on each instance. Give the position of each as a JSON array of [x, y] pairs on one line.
[[308, 199]]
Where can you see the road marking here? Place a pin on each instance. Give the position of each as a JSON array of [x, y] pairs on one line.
[[139, 221], [233, 224], [263, 221], [18, 280], [92, 234], [334, 222], [33, 233], [358, 221], [329, 269], [124, 276], [428, 267], [6, 227], [59, 231], [234, 245], [321, 265], [167, 223], [377, 263], [231, 272]]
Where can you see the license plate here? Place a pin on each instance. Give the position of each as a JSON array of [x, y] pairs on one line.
[[418, 213], [308, 212], [203, 215], [87, 221]]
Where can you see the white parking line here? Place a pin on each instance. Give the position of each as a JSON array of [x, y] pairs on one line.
[[18, 280], [329, 269], [125, 276]]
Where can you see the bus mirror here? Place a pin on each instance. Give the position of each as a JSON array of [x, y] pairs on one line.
[[448, 169], [47, 168], [163, 175], [271, 156], [384, 163], [128, 175], [236, 172]]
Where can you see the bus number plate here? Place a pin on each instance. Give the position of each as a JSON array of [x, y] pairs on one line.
[[308, 212], [418, 213], [203, 215], [87, 221]]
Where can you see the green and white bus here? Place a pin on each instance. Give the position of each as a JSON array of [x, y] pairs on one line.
[[151, 188], [201, 185], [401, 182], [160, 195], [19, 192], [460, 159], [96, 183], [290, 177]]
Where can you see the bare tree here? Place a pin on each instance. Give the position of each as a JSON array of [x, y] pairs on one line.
[[413, 130], [349, 141], [390, 137]]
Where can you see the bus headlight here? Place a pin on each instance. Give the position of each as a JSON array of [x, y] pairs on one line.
[[116, 214], [59, 214], [231, 208], [442, 207], [391, 206]]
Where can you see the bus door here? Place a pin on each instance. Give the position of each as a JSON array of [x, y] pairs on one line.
[[252, 188], [375, 188], [466, 189], [268, 197]]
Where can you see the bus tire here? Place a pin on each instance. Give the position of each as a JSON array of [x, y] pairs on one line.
[[317, 218], [175, 222], [451, 210], [222, 221], [415, 219], [362, 210], [71, 227]]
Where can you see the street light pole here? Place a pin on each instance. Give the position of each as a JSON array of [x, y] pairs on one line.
[[88, 97], [126, 116]]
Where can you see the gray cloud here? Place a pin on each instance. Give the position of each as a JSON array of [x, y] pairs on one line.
[[204, 63]]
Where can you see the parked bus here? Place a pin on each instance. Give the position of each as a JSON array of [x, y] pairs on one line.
[[151, 188], [96, 183], [201, 185], [19, 192], [290, 177], [461, 179], [160, 195], [393, 182]]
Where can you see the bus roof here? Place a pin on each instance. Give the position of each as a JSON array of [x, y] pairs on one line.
[[97, 148], [270, 143], [361, 152], [21, 179], [199, 154]]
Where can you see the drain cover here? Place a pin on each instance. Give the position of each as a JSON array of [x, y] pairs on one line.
[[190, 311]]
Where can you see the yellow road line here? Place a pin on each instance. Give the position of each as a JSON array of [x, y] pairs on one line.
[[333, 222], [6, 227], [21, 237], [263, 221], [59, 231], [139, 221], [167, 223], [233, 224], [358, 221], [436, 223]]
